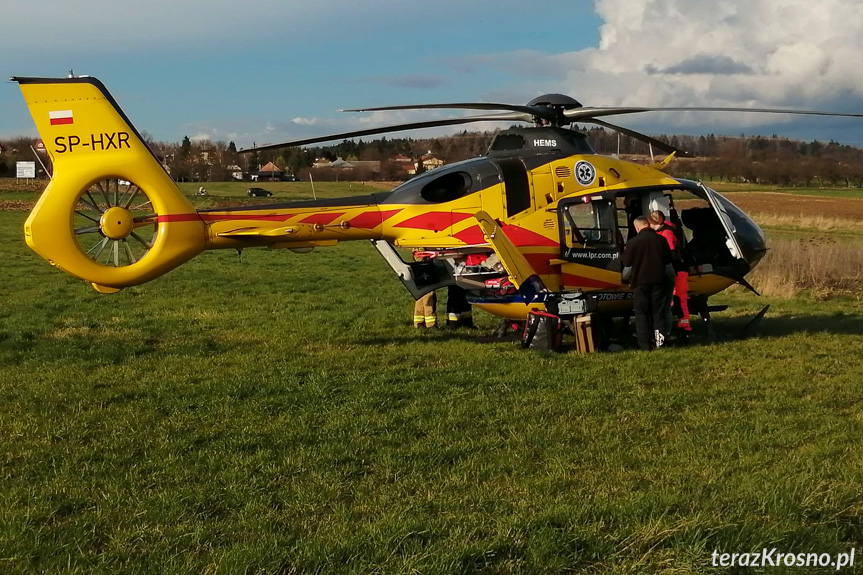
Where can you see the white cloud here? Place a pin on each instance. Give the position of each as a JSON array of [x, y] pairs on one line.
[[739, 53], [301, 121], [778, 52], [200, 137]]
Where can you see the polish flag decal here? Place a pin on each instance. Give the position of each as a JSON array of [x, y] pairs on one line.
[[60, 117]]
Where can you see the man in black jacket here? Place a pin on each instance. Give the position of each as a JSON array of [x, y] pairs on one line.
[[648, 256]]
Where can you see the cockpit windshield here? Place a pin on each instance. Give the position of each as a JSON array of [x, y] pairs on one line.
[[747, 235]]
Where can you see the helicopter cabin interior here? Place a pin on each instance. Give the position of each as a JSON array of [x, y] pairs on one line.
[[594, 229]]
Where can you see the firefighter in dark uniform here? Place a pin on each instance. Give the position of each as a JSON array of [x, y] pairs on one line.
[[648, 257], [458, 310]]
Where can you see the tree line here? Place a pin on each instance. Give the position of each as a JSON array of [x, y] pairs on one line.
[[758, 159]]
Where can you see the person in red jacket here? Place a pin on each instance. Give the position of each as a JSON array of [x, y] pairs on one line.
[[667, 230]]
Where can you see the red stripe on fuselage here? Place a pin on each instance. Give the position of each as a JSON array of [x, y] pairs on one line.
[[539, 262], [371, 220], [236, 217], [435, 221], [322, 218], [222, 217], [179, 218], [521, 237], [470, 236]]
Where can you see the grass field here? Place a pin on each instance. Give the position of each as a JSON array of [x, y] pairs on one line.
[[724, 187], [279, 415]]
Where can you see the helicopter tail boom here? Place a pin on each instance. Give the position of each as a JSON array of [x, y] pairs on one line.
[[106, 215]]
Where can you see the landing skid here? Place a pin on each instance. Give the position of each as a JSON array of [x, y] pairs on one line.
[[752, 324], [701, 307]]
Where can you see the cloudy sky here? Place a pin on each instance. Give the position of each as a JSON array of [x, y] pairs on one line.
[[267, 70]]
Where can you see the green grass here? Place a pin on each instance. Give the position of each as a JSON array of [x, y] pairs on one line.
[[280, 415], [282, 191], [819, 192]]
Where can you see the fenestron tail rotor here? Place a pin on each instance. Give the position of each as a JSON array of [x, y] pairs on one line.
[[111, 215], [114, 223]]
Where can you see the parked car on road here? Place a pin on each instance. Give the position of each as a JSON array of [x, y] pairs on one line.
[[259, 192]]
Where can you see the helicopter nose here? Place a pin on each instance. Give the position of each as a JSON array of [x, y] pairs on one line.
[[749, 236], [753, 244]]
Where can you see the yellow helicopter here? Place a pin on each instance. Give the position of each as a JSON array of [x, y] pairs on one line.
[[538, 221]]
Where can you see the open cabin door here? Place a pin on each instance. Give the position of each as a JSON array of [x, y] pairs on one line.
[[732, 241], [419, 278], [590, 243]]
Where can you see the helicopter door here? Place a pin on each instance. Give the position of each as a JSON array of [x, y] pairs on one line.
[[727, 224], [517, 188], [590, 243]]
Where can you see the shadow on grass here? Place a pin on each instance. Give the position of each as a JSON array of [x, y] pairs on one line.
[[442, 335], [778, 326], [727, 330], [788, 324]]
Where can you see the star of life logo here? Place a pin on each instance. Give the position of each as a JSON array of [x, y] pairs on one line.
[[585, 173]]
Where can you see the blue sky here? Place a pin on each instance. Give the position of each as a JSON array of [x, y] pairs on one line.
[[272, 70]]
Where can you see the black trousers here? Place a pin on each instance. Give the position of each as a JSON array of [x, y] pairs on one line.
[[649, 304], [458, 310]]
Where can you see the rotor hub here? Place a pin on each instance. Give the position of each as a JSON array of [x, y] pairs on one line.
[[555, 101], [117, 223]]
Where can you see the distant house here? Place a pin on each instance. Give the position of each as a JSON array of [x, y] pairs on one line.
[[268, 173], [430, 162], [340, 164], [235, 171], [400, 158], [321, 163]]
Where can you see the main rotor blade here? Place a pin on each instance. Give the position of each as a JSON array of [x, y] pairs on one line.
[[536, 111], [514, 117], [580, 113], [658, 144]]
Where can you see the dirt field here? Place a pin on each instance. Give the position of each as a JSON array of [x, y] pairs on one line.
[[13, 205], [794, 205]]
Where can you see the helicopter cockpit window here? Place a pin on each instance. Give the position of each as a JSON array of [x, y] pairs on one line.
[[589, 225], [446, 188]]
